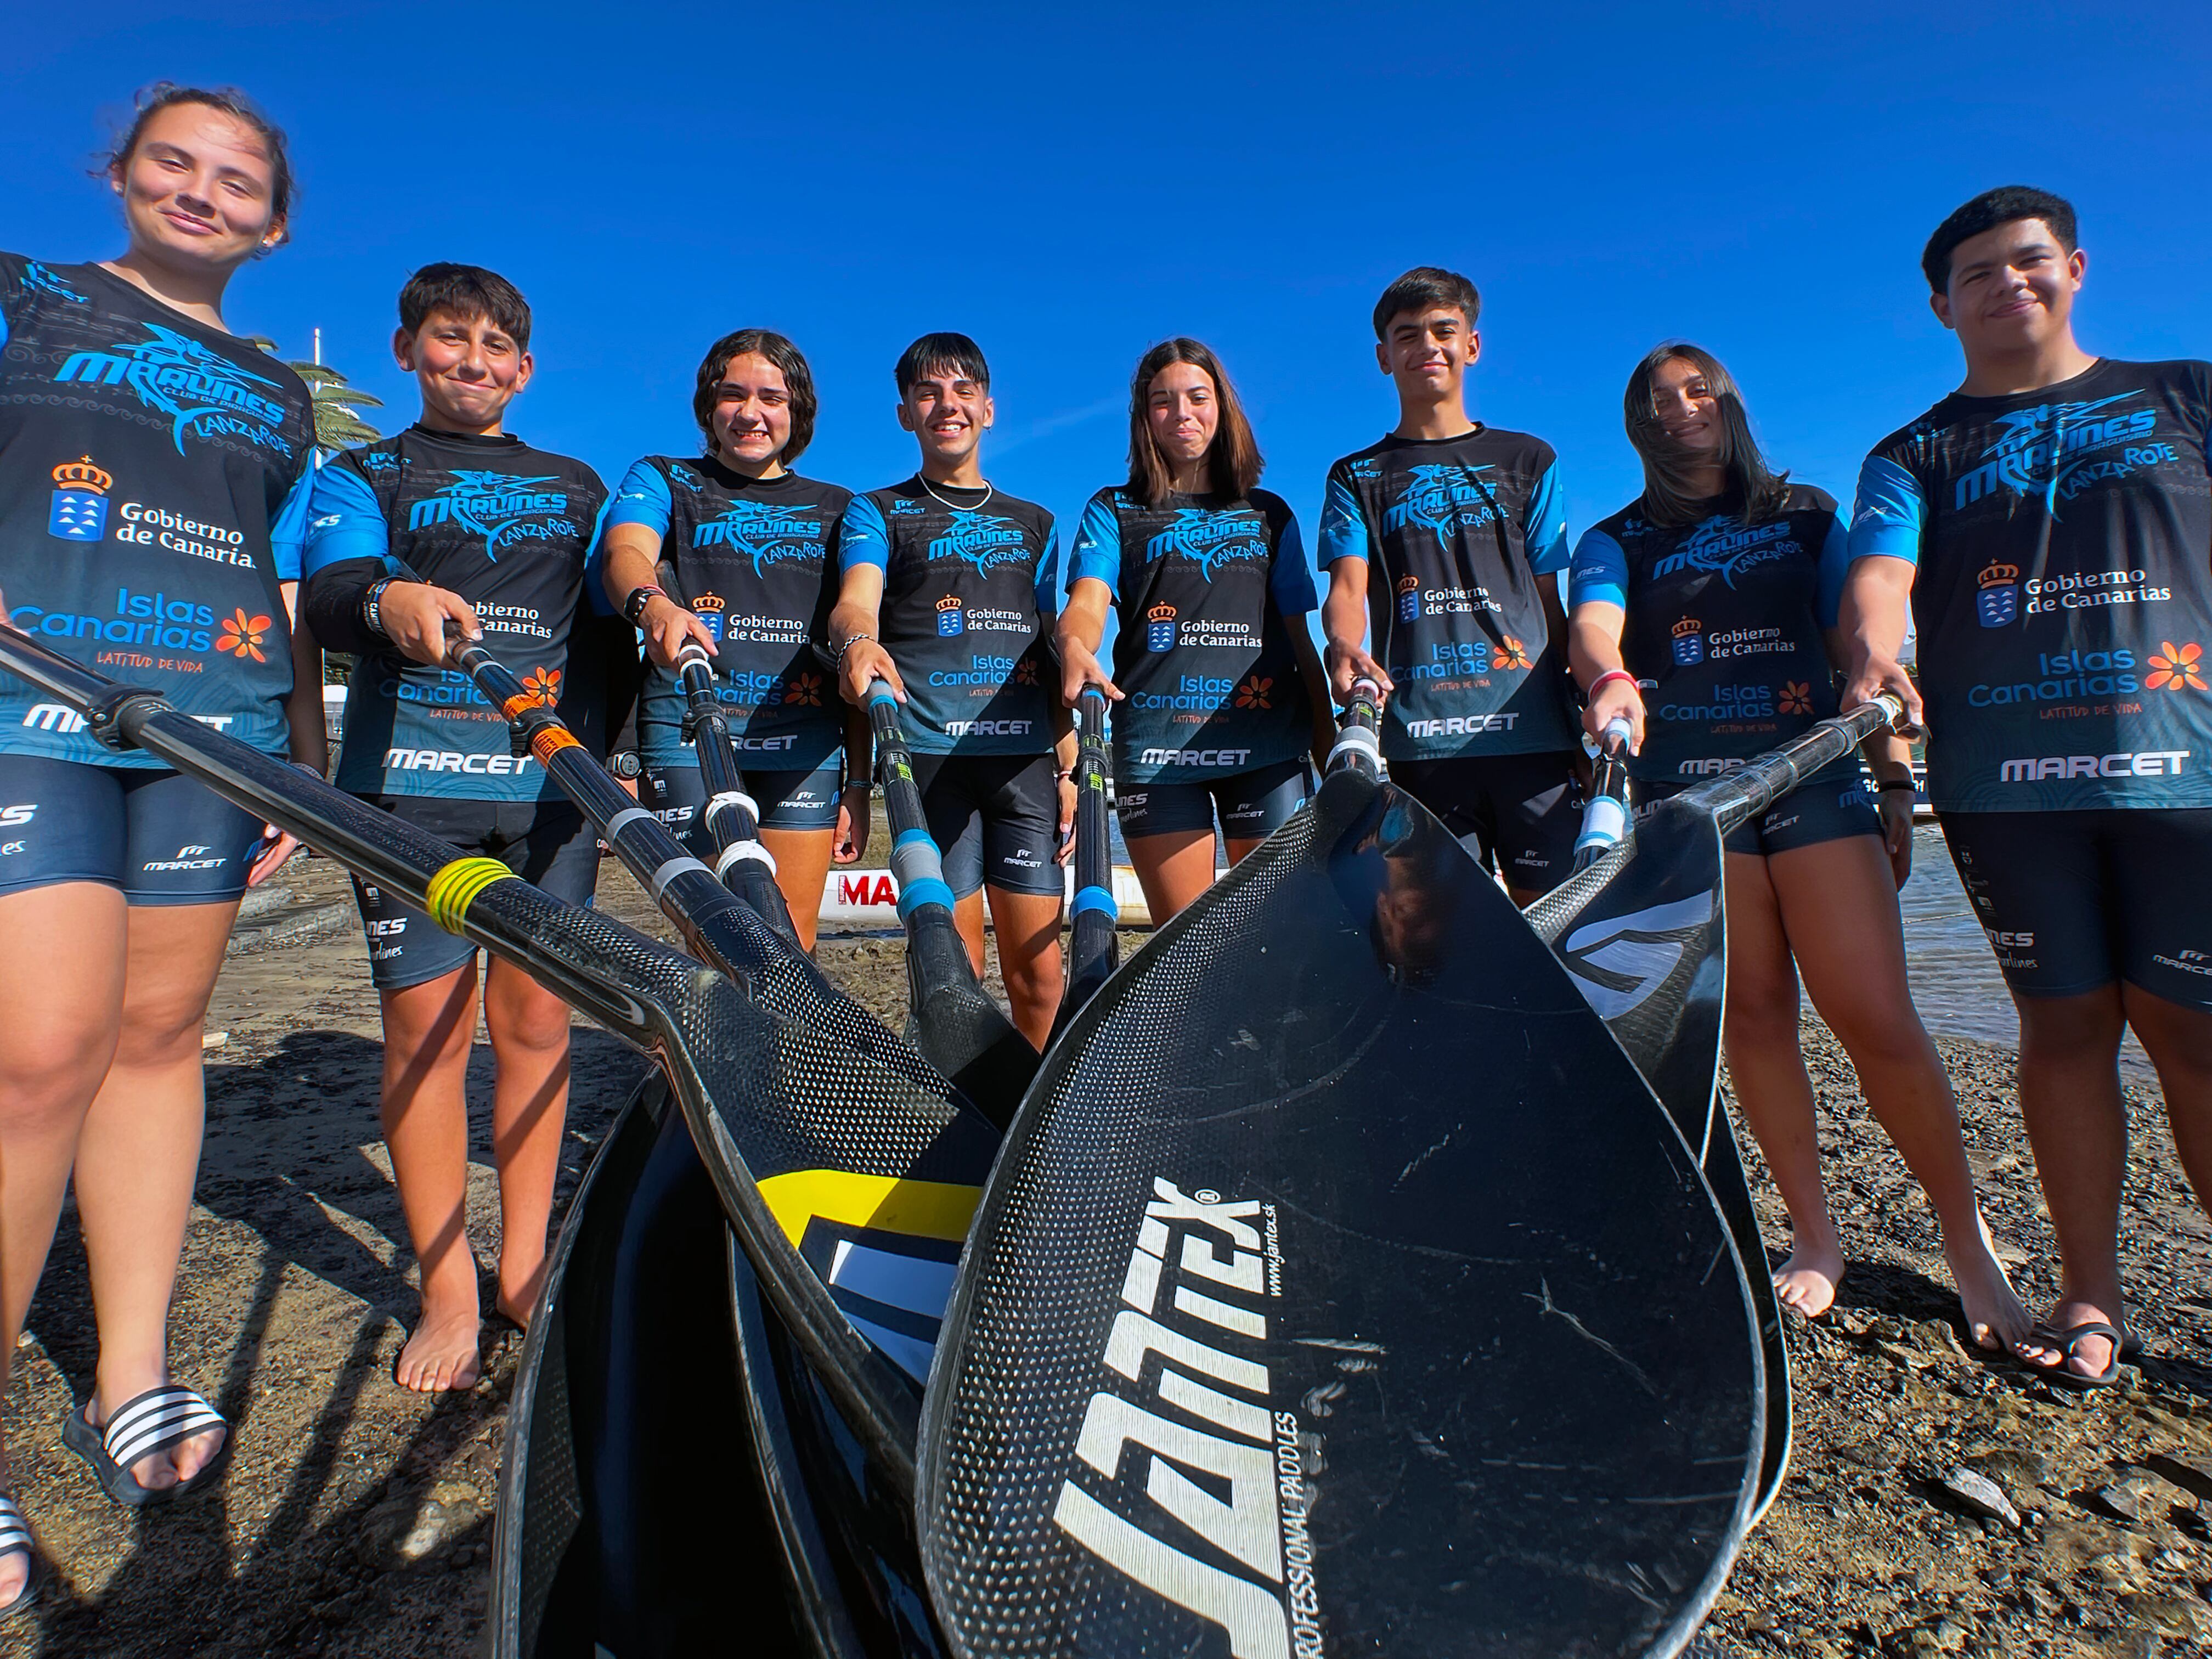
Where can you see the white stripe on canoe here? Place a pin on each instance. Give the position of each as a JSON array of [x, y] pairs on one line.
[[869, 898]]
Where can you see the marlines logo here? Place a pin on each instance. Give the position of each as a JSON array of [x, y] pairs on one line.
[[1618, 963], [767, 533], [986, 540], [2054, 450], [1209, 540], [1723, 542], [499, 506], [1269, 1608], [1440, 496], [207, 395]]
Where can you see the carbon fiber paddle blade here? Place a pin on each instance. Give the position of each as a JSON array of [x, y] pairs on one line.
[[957, 1026], [1645, 933], [1340, 1290]]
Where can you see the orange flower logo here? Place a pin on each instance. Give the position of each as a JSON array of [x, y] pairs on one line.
[[1511, 653], [2176, 669], [545, 685], [1796, 697], [803, 691], [242, 635], [1253, 694], [1025, 671]]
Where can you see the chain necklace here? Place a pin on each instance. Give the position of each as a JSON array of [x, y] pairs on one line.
[[989, 489]]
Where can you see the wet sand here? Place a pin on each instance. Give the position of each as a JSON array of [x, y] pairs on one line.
[[356, 1519]]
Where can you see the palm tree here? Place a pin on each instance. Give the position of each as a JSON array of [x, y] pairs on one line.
[[337, 424]]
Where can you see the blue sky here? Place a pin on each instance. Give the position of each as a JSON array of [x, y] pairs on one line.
[[1070, 183]]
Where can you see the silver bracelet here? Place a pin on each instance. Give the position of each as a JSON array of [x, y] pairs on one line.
[[851, 640]]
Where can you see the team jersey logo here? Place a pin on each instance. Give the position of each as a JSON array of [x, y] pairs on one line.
[[38, 277], [206, 395], [680, 474], [1510, 655], [243, 636], [1689, 642], [1441, 496], [986, 540], [79, 511], [1255, 692], [1618, 963], [1796, 697], [2176, 668], [708, 608], [503, 509], [1409, 599], [1208, 540], [951, 620], [2055, 450], [1998, 602], [766, 533], [1159, 627], [543, 685], [1724, 543], [379, 460]]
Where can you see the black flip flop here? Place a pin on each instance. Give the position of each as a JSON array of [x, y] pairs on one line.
[[15, 1540], [2125, 1346], [149, 1423]]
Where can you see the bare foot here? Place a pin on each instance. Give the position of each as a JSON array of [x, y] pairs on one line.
[[1997, 1320], [14, 1568], [1807, 1282], [441, 1354], [518, 1292], [2092, 1356]]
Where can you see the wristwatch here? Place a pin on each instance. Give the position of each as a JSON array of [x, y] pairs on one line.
[[625, 764], [634, 606]]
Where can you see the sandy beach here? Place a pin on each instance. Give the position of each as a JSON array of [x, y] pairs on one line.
[[356, 1519]]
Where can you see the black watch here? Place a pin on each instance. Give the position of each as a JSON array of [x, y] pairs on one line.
[[625, 764], [634, 606]]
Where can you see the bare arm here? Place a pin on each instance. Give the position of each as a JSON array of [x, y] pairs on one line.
[[1889, 757], [308, 735], [1876, 615], [858, 613], [632, 561], [1344, 625], [1076, 636], [1314, 678], [1593, 648]]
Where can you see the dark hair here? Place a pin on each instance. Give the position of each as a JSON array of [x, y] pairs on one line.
[[1668, 498], [226, 100], [798, 379], [1233, 461], [934, 354], [1423, 287], [467, 292], [1992, 207]]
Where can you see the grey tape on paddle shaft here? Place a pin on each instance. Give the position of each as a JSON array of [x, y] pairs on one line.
[[917, 860], [1353, 740], [673, 868], [628, 814]]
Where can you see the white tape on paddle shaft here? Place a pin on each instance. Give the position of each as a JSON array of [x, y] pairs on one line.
[[738, 851], [669, 871], [1355, 739], [1605, 822], [723, 802], [628, 814], [693, 652], [1618, 731]]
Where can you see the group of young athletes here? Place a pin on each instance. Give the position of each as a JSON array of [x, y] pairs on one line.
[[164, 517]]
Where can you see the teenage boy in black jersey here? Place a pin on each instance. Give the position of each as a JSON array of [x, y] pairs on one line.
[[946, 592], [2048, 527], [502, 534], [1447, 537]]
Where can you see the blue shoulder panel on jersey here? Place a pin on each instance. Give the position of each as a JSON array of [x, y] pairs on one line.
[[1343, 524], [1291, 581], [642, 498], [1887, 521], [1098, 549], [1545, 534], [1048, 575], [1835, 565], [288, 530], [863, 537], [1599, 574], [343, 520]]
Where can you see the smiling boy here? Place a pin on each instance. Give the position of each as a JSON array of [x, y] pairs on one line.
[[502, 534]]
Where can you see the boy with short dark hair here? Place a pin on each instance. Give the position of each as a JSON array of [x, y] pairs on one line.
[[1447, 538], [2049, 528], [502, 534], [947, 593]]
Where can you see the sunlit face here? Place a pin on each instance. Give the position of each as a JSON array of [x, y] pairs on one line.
[[1688, 410], [1182, 410], [949, 412], [198, 189], [751, 417], [2011, 288], [1428, 352], [469, 368]]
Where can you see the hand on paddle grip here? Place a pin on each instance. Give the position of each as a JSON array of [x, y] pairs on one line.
[[1618, 699], [422, 620]]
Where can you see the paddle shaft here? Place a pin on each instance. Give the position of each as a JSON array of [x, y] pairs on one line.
[[1358, 745], [1092, 944], [916, 863], [1605, 820], [1737, 796]]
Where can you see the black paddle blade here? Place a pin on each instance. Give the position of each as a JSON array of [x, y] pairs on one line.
[[1341, 1289], [1644, 932], [955, 1024]]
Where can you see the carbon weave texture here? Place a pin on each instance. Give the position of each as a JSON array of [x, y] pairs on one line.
[[1511, 1344]]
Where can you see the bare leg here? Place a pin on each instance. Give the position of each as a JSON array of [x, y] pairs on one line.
[[529, 1029], [1029, 958], [968, 917], [1173, 867], [428, 1028], [1768, 1068], [802, 865], [61, 1010], [1838, 909]]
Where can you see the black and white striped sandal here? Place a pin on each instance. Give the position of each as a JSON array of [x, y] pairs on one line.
[[152, 1422], [15, 1540]]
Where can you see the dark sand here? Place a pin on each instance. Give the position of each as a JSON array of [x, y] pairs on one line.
[[356, 1520]]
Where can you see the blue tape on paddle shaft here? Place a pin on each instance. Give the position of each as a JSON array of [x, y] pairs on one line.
[[916, 894], [1095, 898], [876, 697]]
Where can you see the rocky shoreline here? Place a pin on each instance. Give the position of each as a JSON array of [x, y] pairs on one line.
[[356, 1520]]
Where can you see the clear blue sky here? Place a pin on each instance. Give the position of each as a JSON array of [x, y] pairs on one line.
[[1070, 183]]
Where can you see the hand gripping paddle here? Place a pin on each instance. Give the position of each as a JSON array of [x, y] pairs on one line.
[[1643, 929], [1341, 1289], [955, 1024]]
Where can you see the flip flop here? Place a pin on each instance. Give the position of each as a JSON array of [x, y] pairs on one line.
[[2125, 1346], [151, 1422], [15, 1540]]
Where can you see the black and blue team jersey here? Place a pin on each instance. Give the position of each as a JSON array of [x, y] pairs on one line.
[[153, 494], [1456, 530], [1724, 625], [756, 558], [1206, 591], [2063, 595], [968, 597], [508, 528]]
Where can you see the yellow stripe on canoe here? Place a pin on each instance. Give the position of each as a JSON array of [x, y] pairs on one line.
[[920, 1209]]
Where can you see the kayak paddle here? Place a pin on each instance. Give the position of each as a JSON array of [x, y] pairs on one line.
[[1094, 948]]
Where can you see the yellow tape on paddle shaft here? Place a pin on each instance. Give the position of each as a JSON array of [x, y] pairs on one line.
[[920, 1209], [454, 888]]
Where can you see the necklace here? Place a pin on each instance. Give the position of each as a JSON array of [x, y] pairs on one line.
[[988, 491]]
